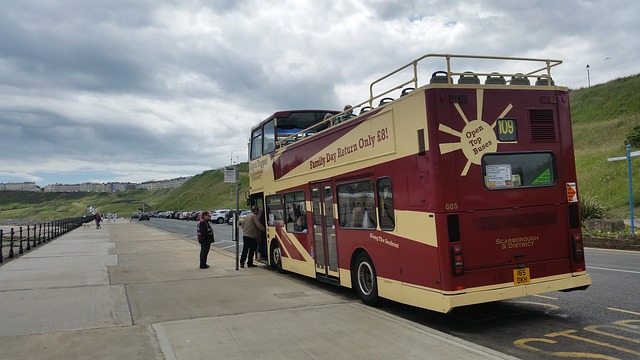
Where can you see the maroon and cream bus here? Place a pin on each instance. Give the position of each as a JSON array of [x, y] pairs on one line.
[[443, 188]]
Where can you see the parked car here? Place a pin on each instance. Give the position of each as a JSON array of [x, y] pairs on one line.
[[195, 215], [240, 214], [144, 216], [135, 215], [219, 216]]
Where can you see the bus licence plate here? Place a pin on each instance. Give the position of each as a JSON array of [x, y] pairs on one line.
[[521, 276]]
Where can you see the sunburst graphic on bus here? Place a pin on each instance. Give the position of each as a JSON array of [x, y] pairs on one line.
[[476, 138]]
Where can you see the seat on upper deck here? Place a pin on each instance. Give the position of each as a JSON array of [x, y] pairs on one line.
[[544, 81], [385, 101], [468, 78], [519, 79], [439, 77], [405, 91], [496, 79]]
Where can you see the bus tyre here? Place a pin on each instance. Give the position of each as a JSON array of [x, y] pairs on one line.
[[363, 278], [276, 257]]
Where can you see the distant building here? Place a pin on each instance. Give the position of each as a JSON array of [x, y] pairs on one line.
[[116, 186], [25, 186], [164, 184]]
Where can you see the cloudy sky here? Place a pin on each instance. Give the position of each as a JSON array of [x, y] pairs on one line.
[[115, 90]]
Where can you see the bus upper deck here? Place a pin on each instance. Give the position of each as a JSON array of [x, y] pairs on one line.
[[407, 78]]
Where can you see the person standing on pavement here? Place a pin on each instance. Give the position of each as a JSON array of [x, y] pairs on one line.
[[205, 238], [250, 234], [97, 218]]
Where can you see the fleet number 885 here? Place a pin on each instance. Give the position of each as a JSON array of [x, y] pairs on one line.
[[451, 206]]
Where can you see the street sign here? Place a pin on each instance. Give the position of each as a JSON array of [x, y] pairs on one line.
[[230, 174], [628, 158], [620, 158]]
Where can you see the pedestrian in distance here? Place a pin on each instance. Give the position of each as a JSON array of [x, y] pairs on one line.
[[205, 238], [251, 228], [97, 218]]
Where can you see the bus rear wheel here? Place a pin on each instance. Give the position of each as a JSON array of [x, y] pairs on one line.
[[276, 257], [364, 280]]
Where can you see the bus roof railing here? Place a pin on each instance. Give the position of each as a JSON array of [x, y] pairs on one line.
[[541, 72]]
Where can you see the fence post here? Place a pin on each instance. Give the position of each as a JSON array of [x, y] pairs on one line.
[[20, 249], [11, 244], [28, 241], [34, 235], [1, 239], [40, 234]]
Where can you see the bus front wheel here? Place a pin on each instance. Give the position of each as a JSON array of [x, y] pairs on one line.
[[364, 280], [276, 257]]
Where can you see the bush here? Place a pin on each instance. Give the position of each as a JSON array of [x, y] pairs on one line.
[[633, 138], [591, 209]]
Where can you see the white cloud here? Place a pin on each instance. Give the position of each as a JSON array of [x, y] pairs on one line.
[[119, 91]]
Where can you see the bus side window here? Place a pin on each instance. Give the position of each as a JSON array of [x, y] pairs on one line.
[[296, 212], [269, 138], [256, 143], [385, 204], [356, 205]]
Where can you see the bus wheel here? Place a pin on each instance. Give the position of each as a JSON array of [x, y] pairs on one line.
[[364, 280], [276, 257]]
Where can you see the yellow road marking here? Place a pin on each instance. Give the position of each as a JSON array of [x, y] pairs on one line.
[[624, 311], [570, 335]]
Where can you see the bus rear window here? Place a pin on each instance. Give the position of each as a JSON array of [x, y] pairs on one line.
[[511, 170]]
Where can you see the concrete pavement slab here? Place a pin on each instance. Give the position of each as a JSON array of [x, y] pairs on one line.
[[221, 295], [56, 272], [62, 309], [137, 342], [334, 331]]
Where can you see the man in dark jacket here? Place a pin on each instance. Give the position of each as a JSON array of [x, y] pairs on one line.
[[205, 238]]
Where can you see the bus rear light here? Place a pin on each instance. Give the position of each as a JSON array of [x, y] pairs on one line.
[[457, 260], [578, 247]]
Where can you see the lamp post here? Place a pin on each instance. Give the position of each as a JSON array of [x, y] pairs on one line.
[[588, 76]]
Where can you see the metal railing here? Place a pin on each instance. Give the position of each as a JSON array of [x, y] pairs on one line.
[[408, 74], [24, 238]]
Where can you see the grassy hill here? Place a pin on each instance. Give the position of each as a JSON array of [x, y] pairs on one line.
[[603, 116], [205, 191]]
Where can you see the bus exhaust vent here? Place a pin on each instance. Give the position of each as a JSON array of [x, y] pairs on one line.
[[542, 124]]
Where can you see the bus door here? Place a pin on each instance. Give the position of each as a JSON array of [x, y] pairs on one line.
[[324, 231]]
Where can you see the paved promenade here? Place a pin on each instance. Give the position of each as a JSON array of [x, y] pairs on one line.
[[129, 291]]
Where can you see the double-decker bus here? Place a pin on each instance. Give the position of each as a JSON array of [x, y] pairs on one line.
[[442, 189]]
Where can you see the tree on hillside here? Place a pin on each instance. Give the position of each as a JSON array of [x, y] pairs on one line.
[[633, 138]]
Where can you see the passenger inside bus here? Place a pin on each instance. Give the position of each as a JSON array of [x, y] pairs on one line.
[[344, 117], [362, 215], [358, 214], [301, 224]]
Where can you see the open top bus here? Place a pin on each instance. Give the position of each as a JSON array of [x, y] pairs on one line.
[[444, 188]]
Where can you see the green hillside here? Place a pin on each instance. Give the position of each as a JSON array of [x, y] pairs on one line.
[[205, 191], [602, 115]]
